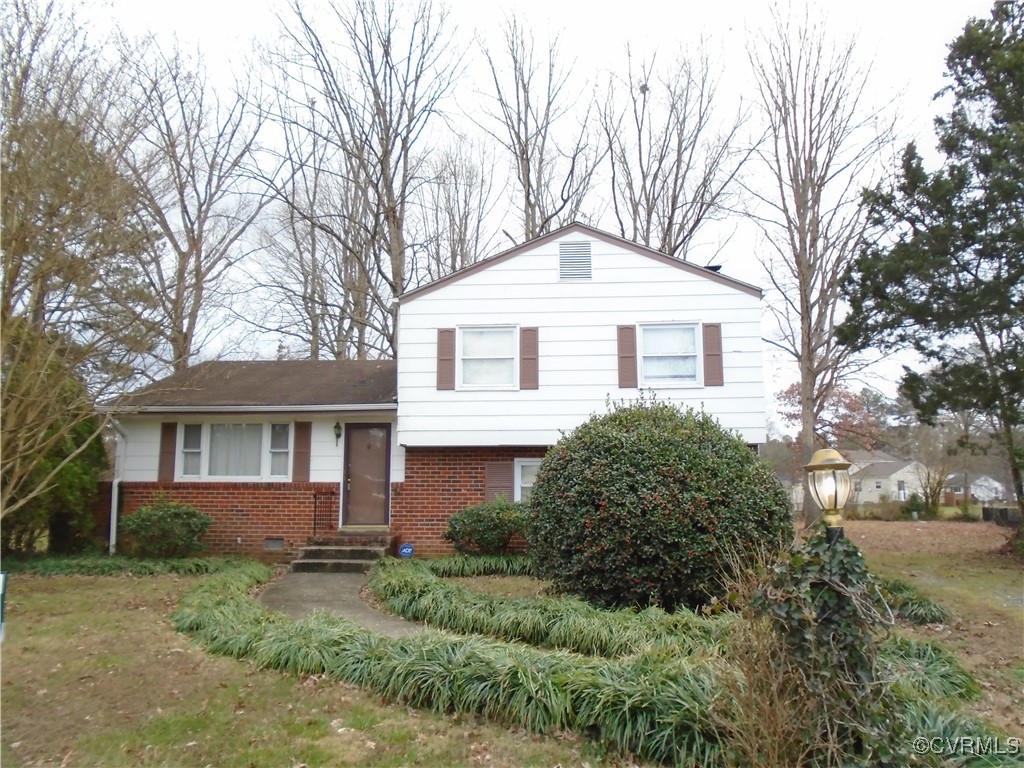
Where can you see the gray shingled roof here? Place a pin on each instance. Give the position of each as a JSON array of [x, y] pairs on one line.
[[270, 384], [882, 469]]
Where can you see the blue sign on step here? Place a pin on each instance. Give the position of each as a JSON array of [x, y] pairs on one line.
[[406, 550]]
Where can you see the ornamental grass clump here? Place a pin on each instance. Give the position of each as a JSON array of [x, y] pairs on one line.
[[700, 708], [411, 590], [651, 505], [909, 603]]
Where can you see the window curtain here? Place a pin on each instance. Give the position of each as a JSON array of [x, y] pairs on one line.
[[235, 449]]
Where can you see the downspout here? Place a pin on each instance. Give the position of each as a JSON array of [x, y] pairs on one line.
[[115, 485]]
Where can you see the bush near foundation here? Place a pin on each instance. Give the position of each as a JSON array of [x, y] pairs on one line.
[[650, 505], [165, 529], [488, 528]]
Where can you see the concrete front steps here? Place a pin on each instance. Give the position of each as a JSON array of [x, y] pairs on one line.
[[348, 551]]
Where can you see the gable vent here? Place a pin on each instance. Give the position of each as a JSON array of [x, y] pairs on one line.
[[574, 261]]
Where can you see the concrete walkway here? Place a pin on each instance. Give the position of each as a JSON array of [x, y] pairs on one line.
[[299, 594]]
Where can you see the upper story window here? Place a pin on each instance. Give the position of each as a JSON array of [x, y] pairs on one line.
[[487, 357], [235, 450], [668, 354]]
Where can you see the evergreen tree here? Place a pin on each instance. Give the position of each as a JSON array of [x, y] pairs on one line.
[[945, 274]]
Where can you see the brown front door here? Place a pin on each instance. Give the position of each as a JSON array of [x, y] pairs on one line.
[[367, 467]]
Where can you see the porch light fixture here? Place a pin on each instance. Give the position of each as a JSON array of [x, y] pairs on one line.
[[337, 432], [828, 480]]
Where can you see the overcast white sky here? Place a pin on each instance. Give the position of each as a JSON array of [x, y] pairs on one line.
[[904, 42]]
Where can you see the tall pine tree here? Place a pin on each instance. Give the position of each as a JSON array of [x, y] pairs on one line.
[[945, 274]]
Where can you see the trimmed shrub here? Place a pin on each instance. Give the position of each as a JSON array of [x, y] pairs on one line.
[[488, 528], [650, 505], [166, 529]]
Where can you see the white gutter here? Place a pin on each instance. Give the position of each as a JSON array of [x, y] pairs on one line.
[[115, 485], [259, 408]]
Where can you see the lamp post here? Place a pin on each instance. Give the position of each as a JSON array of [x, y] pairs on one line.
[[828, 480]]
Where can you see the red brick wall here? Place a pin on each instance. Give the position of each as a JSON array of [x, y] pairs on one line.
[[438, 483], [244, 514]]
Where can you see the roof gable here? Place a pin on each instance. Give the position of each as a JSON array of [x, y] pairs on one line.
[[269, 384], [597, 234]]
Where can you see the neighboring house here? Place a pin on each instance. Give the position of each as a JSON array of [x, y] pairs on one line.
[[982, 488], [891, 480], [859, 459], [495, 362]]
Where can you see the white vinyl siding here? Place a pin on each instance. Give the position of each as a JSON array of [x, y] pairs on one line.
[[668, 355], [487, 357], [577, 347], [139, 449]]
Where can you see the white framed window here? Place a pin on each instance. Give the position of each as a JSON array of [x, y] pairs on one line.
[[192, 450], [523, 478], [235, 450], [669, 355], [488, 357], [279, 449]]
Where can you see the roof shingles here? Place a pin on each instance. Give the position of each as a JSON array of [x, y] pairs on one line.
[[274, 383]]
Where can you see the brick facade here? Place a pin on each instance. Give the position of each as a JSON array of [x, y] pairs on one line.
[[244, 515], [438, 483]]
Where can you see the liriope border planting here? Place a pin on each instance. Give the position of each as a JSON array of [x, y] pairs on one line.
[[659, 704], [412, 590], [654, 704]]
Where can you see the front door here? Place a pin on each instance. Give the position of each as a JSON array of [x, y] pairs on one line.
[[367, 468]]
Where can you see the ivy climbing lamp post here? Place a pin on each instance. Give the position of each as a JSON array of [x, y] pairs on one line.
[[828, 480]]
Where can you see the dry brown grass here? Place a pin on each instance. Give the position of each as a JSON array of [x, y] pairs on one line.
[[94, 675]]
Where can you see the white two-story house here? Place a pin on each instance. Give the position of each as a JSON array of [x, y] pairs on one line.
[[498, 360]]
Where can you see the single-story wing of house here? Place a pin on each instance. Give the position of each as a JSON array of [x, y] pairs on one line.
[[494, 363]]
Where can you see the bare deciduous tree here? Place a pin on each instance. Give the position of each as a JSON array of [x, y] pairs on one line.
[[823, 145], [673, 166], [191, 165], [454, 206], [373, 98], [531, 97], [314, 267], [74, 305]]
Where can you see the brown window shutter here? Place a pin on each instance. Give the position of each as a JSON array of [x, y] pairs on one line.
[[300, 459], [168, 449], [627, 356], [498, 480], [528, 365], [714, 374], [446, 358]]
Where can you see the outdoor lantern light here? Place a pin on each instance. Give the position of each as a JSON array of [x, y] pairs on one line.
[[337, 432], [828, 480]]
